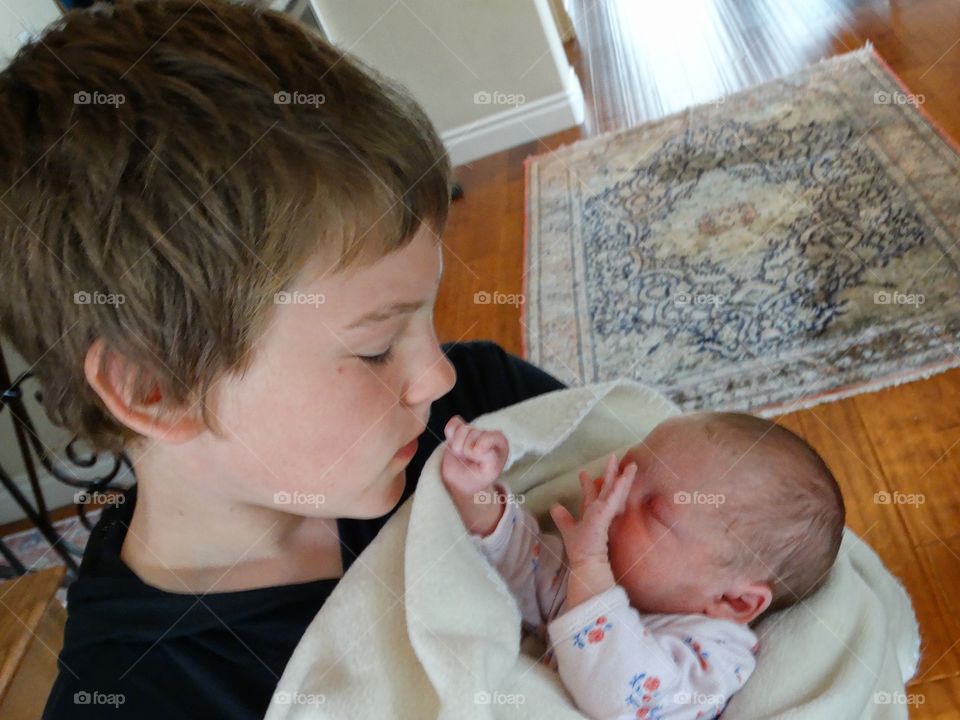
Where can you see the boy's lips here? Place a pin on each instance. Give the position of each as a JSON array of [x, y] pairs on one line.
[[410, 449], [407, 451]]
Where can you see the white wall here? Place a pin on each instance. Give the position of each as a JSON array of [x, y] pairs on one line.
[[22, 16], [447, 52]]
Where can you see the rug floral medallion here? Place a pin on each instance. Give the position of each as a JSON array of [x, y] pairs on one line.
[[789, 244]]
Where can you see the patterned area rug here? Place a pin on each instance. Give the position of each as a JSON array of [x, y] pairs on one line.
[[33, 550], [789, 244]]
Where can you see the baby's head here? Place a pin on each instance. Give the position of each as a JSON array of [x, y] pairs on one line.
[[730, 516]]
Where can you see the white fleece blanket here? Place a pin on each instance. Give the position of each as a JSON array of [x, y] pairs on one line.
[[421, 626]]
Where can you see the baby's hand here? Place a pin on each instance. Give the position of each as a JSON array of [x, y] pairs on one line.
[[603, 499], [473, 458]]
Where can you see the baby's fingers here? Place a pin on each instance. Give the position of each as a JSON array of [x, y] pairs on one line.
[[564, 521], [590, 490], [451, 427], [493, 441], [621, 489], [459, 441], [609, 476], [472, 440]]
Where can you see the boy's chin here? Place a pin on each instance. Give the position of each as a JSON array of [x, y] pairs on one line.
[[381, 499], [395, 489]]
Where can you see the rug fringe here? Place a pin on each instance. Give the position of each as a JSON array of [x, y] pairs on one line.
[[903, 378], [867, 50]]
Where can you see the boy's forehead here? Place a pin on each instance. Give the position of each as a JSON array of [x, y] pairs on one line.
[[415, 264], [401, 282]]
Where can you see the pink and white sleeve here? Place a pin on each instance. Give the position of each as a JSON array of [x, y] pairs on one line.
[[617, 664], [530, 562]]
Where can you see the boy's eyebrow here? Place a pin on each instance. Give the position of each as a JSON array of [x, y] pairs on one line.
[[385, 313], [398, 308]]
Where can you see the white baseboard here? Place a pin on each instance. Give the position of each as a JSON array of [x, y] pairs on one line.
[[517, 125], [55, 493]]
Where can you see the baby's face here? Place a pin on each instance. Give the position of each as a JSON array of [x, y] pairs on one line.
[[663, 546]]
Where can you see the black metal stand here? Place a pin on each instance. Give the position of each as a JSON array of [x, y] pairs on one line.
[[30, 445]]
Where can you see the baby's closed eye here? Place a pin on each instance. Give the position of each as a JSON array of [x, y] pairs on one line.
[[658, 509]]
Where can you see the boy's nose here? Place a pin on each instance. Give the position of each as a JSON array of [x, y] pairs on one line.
[[438, 379]]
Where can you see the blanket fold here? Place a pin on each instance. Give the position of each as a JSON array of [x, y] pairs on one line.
[[421, 626]]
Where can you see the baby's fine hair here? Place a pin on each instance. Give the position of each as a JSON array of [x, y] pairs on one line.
[[168, 168], [784, 513]]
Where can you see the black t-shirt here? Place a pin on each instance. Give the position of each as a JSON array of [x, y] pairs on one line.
[[134, 651]]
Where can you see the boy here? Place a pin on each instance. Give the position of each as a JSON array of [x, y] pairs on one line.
[[219, 248]]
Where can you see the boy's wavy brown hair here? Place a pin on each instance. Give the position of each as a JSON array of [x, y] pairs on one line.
[[167, 168]]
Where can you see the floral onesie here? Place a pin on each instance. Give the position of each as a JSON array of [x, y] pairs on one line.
[[615, 662]]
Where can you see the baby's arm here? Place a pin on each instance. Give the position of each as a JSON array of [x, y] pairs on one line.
[[617, 665], [530, 562], [508, 537]]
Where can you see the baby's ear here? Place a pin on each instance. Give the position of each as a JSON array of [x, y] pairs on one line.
[[741, 604]]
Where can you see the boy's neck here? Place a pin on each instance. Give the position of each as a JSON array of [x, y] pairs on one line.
[[183, 542]]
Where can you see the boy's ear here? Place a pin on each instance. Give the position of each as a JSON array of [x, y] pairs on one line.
[[141, 415], [741, 604]]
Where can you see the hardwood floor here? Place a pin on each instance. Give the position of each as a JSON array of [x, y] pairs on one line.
[[639, 61]]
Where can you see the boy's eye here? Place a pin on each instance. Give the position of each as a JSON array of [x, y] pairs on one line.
[[378, 359]]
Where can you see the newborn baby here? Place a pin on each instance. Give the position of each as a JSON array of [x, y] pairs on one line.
[[646, 599]]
